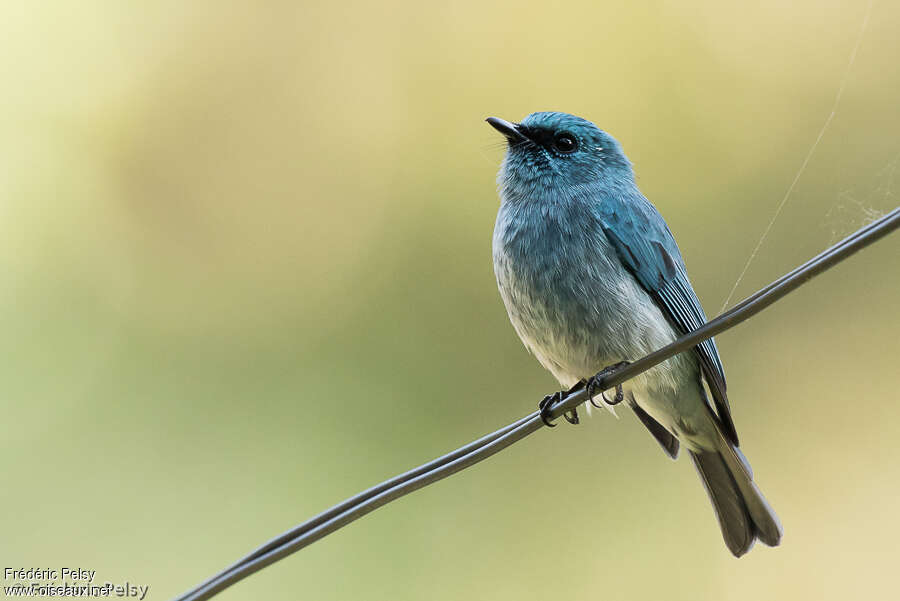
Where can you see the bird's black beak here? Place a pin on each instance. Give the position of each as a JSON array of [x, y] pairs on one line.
[[510, 130]]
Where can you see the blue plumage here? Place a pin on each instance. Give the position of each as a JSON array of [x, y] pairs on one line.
[[647, 248], [591, 275]]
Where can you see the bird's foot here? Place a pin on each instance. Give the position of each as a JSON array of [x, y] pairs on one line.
[[545, 406], [593, 384], [551, 399]]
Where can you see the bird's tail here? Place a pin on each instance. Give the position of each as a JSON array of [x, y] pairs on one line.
[[744, 514]]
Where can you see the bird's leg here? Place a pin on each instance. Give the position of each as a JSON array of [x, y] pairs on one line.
[[552, 399], [593, 383]]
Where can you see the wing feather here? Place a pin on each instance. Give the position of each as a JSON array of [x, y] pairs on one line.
[[647, 248]]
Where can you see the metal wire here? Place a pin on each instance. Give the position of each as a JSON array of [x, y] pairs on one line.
[[356, 507], [335, 511]]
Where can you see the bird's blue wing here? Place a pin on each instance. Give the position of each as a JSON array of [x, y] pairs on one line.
[[647, 248]]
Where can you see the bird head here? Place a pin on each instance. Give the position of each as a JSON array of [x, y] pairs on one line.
[[558, 151]]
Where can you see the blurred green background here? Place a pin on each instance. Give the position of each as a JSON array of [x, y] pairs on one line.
[[246, 273]]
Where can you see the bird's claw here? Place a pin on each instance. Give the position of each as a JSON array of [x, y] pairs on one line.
[[593, 384], [545, 406], [620, 396], [552, 399]]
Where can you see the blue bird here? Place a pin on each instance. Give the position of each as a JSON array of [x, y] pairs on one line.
[[591, 277]]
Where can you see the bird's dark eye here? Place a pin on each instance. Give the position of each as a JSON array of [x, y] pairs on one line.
[[564, 143]]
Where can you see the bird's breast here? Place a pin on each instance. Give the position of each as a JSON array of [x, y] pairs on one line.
[[568, 296]]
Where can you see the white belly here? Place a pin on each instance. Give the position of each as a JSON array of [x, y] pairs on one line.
[[591, 314]]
